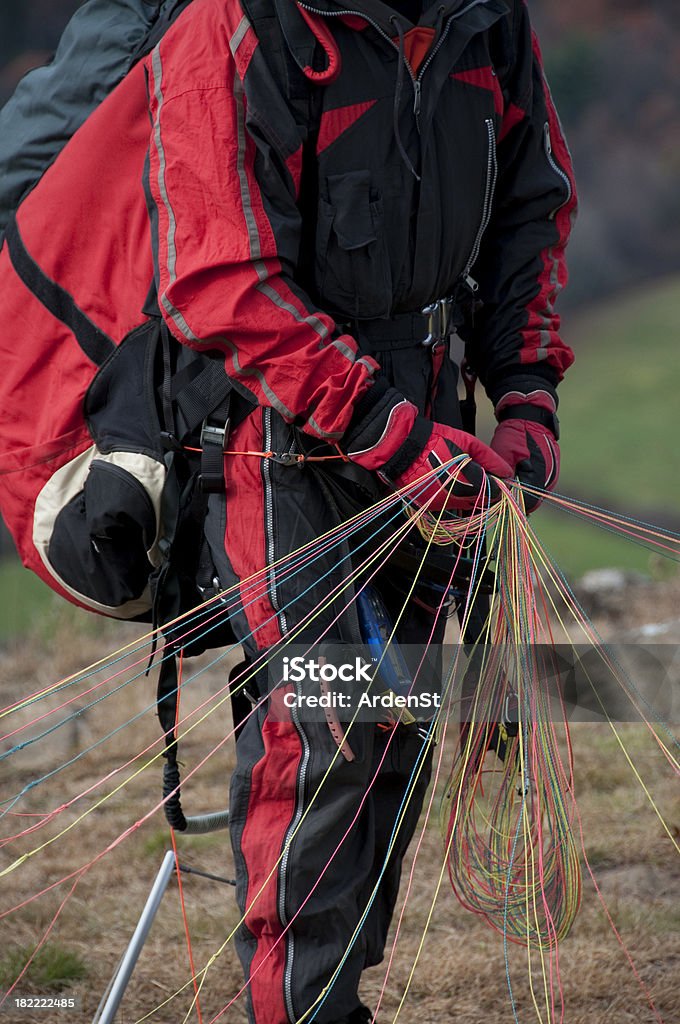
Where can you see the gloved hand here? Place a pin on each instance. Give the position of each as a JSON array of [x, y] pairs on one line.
[[388, 436], [526, 437]]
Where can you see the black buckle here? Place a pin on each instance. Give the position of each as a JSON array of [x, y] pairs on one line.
[[213, 446], [210, 434]]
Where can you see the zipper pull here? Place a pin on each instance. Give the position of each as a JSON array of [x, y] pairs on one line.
[[547, 139], [416, 98], [471, 283]]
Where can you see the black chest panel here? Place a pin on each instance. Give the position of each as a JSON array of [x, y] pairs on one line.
[[377, 239], [386, 242]]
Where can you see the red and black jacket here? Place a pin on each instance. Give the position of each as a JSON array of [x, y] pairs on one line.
[[432, 155]]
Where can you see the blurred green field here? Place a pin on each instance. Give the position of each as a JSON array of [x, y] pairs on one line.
[[620, 443], [620, 402], [23, 598], [28, 606], [620, 421]]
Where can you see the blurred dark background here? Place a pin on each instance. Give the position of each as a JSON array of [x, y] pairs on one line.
[[614, 68]]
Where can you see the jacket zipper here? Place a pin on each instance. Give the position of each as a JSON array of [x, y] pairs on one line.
[[415, 79], [558, 170], [454, 17], [491, 172]]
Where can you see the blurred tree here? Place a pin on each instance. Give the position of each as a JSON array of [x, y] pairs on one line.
[[573, 72], [614, 68], [29, 33], [12, 29]]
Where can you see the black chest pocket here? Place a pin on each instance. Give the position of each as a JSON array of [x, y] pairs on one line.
[[352, 265]]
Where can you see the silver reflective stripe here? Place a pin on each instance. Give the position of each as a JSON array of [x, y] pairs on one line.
[[319, 430], [173, 313], [310, 319], [252, 371], [368, 363], [254, 241], [157, 65], [344, 349], [251, 223], [239, 35], [179, 319]]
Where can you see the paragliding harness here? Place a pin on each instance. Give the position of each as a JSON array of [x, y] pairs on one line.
[[197, 410]]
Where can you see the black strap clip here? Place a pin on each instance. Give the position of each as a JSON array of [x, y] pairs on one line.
[[214, 440], [441, 321]]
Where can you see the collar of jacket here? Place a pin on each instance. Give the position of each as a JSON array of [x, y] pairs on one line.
[[306, 25], [381, 15]]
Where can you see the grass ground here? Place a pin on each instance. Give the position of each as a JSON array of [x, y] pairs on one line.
[[619, 449], [461, 972]]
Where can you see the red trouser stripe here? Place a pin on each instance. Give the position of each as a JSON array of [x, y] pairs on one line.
[[245, 540], [271, 807]]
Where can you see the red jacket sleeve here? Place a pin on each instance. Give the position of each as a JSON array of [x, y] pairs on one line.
[[514, 339], [224, 270]]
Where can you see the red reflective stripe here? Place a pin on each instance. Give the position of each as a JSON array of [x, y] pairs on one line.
[[542, 318], [483, 78], [294, 165], [512, 116], [354, 21], [335, 122], [271, 807]]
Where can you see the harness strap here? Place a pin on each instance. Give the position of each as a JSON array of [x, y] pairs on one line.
[[166, 697], [406, 330], [198, 390], [438, 350], [468, 405]]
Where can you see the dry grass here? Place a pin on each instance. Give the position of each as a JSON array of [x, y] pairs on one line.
[[461, 974]]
